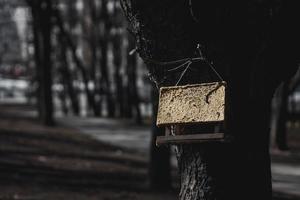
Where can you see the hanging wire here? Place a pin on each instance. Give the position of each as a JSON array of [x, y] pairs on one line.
[[185, 62], [208, 63], [175, 68], [173, 62], [184, 71]]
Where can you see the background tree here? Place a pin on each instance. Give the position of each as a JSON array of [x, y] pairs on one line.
[[42, 27], [133, 99], [89, 54], [281, 116], [66, 76]]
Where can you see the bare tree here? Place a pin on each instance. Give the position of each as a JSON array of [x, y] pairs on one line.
[[67, 78], [104, 81], [78, 62]]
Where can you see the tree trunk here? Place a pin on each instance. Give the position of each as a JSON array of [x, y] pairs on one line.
[[92, 30], [78, 63], [233, 35], [159, 165], [41, 14], [37, 60], [103, 43], [133, 96], [281, 119], [67, 78], [117, 59]]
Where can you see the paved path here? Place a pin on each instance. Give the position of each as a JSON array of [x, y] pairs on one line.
[[122, 133], [286, 178]]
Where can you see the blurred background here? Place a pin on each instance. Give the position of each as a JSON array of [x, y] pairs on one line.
[[77, 109]]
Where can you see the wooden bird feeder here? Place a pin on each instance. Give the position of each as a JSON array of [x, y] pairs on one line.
[[188, 109]]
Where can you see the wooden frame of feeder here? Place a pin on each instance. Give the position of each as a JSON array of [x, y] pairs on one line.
[[187, 105]]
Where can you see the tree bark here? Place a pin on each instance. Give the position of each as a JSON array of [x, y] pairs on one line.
[[235, 36]]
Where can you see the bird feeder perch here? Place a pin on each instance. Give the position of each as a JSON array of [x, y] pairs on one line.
[[186, 109]]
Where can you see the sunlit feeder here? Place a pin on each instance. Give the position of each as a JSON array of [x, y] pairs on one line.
[[186, 112]]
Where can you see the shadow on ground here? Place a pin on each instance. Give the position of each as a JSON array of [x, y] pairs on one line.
[[61, 162]]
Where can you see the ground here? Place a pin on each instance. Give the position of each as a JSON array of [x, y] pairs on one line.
[[90, 158]]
